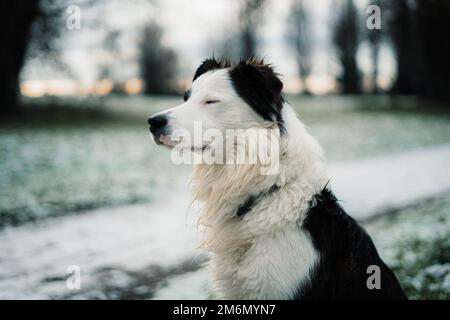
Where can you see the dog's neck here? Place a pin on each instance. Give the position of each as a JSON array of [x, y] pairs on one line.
[[223, 188]]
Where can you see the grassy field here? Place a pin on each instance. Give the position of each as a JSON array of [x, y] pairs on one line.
[[58, 160], [415, 243], [66, 154]]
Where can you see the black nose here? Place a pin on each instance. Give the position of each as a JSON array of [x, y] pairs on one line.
[[157, 123]]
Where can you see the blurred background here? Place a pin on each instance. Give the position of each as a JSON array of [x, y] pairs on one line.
[[82, 183]]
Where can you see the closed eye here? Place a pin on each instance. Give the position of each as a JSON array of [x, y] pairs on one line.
[[211, 101]]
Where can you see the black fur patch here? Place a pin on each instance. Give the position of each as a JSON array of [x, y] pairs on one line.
[[259, 86], [256, 83], [187, 94], [211, 64], [253, 200], [346, 251]]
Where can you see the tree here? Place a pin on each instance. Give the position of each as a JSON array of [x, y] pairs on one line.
[[299, 39], [158, 63], [241, 39], [346, 42], [16, 19], [375, 38], [113, 69], [434, 35], [250, 16], [403, 33], [27, 29]]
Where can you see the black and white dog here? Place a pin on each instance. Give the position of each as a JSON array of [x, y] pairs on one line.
[[277, 236]]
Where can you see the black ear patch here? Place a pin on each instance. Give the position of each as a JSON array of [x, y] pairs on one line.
[[259, 86], [211, 64]]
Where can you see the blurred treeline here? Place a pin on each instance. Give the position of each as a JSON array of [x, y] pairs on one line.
[[416, 30], [419, 34]]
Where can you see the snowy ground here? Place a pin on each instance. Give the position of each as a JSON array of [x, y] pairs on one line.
[[377, 185], [415, 243], [148, 250]]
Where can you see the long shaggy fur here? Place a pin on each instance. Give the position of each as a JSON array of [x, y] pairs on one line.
[[275, 219], [292, 240]]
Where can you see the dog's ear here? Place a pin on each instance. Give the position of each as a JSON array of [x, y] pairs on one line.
[[210, 64], [259, 86]]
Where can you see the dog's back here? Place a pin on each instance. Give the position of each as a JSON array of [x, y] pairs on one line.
[[346, 254]]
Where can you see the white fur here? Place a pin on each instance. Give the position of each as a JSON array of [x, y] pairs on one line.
[[265, 254], [230, 112]]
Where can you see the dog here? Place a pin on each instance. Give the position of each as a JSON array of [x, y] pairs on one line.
[[270, 236]]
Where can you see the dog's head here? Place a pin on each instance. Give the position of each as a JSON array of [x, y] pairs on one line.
[[224, 96]]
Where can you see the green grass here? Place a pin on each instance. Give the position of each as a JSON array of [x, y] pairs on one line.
[[415, 242], [67, 155], [352, 128]]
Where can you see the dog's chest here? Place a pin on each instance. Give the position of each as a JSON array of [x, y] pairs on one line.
[[274, 266]]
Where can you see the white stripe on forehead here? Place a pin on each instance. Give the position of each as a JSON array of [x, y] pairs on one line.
[[217, 80]]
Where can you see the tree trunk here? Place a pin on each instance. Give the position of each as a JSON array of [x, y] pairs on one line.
[[404, 36], [434, 34], [16, 18], [346, 41]]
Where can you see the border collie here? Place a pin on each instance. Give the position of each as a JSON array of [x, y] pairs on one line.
[[278, 236]]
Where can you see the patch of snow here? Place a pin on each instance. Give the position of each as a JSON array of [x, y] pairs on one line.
[[190, 286], [372, 186], [438, 270], [133, 237]]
